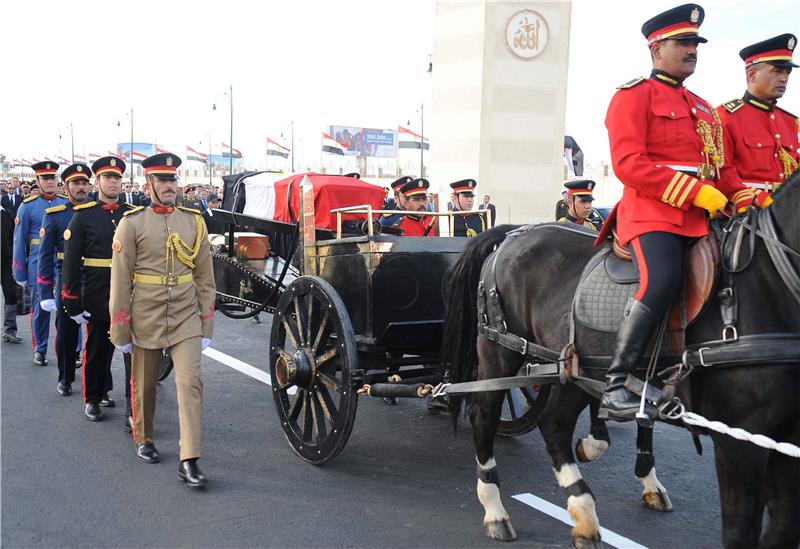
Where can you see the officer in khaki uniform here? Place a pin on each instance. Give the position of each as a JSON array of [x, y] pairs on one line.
[[162, 297]]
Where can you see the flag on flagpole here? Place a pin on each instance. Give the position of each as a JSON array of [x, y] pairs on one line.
[[119, 154], [276, 149], [228, 151], [330, 145], [25, 163], [80, 158], [192, 154], [410, 140], [93, 157], [159, 150]]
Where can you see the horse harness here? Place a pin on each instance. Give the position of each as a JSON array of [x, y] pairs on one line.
[[545, 365]]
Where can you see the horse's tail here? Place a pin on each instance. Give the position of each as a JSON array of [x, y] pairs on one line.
[[459, 348]]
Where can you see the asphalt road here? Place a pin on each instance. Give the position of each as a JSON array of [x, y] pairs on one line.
[[403, 480]]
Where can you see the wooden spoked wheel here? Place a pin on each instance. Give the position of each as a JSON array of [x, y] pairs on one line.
[[312, 360], [522, 407]]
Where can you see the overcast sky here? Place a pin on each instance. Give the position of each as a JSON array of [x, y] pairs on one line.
[[317, 62]]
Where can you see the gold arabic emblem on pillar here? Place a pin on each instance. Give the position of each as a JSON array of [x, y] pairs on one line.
[[526, 35]]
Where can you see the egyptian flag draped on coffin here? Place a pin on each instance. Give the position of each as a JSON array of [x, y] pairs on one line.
[[330, 192]]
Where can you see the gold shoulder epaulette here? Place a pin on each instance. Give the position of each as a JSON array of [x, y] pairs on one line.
[[133, 210], [84, 206], [130, 205], [733, 105], [631, 83], [787, 112], [562, 220], [190, 210], [388, 215], [54, 209], [34, 197]]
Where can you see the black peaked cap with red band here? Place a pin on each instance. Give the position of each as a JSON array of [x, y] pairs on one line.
[[109, 164], [46, 168], [163, 165], [680, 22], [75, 171], [415, 187], [775, 51]]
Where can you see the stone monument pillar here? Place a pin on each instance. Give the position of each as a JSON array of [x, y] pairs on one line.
[[499, 101]]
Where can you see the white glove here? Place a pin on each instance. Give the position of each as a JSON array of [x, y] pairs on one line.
[[127, 348], [22, 283], [48, 305], [82, 318], [205, 343]]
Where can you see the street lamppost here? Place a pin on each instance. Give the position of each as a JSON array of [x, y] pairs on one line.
[[230, 145], [71, 143], [131, 149]]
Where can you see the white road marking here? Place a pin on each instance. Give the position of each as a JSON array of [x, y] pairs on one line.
[[558, 513], [243, 367], [538, 503]]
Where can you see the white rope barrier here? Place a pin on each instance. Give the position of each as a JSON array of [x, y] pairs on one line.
[[740, 434]]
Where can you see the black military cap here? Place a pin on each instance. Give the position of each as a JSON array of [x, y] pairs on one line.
[[76, 171], [465, 187], [163, 166], [400, 182], [681, 22], [46, 168], [108, 164], [775, 51], [212, 198], [580, 187], [415, 187]]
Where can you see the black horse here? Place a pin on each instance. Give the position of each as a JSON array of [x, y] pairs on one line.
[[536, 276]]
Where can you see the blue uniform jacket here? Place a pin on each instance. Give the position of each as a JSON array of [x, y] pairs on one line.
[[51, 250], [27, 238]]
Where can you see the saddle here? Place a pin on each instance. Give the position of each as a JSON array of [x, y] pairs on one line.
[[611, 278]]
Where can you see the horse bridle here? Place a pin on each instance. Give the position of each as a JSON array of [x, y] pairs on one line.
[[778, 251]]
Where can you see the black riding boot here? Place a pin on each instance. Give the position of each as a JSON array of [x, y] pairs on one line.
[[635, 331]]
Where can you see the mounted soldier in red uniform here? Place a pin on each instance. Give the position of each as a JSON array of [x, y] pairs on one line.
[[667, 149], [761, 142]]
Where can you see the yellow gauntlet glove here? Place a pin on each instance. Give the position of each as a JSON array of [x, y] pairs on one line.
[[710, 199]]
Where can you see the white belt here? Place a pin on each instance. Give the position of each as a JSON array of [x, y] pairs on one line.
[[679, 168], [764, 186]]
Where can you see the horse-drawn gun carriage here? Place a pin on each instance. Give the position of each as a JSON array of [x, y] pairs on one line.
[[358, 310]]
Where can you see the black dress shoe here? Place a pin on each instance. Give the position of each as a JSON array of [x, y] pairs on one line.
[[190, 473], [147, 453], [39, 359], [11, 337], [107, 401], [64, 389], [129, 424], [92, 411]]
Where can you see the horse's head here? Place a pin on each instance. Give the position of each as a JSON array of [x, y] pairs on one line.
[[786, 207]]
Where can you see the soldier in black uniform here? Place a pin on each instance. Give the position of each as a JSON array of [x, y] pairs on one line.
[[86, 278], [579, 201], [463, 201], [51, 254]]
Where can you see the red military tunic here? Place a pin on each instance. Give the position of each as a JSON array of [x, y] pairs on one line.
[[657, 152], [761, 143], [416, 227]]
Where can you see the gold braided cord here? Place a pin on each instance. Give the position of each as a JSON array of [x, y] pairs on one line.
[[788, 161], [712, 139], [177, 247]]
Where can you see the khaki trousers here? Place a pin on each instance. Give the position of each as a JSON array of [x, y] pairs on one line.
[[189, 384]]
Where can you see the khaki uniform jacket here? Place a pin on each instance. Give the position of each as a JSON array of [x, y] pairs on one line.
[[155, 316]]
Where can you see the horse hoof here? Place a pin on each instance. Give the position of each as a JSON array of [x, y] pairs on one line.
[[579, 453], [500, 531], [587, 543], [657, 501]]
